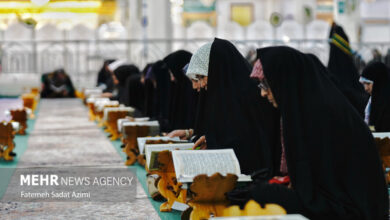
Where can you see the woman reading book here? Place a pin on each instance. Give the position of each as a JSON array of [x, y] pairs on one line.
[[227, 114], [328, 151]]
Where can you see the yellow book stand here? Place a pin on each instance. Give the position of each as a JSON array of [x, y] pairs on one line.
[[20, 115], [6, 141], [168, 186]]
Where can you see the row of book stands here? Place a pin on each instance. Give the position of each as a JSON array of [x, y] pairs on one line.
[[194, 182], [18, 123]]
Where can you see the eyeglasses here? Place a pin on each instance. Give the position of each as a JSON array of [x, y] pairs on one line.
[[199, 77], [263, 85]]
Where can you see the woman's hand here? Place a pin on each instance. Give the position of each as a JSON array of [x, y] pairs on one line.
[[182, 134], [107, 95], [200, 144]]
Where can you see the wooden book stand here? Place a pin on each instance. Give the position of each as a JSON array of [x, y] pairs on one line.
[[209, 195], [209, 199], [112, 126], [141, 159], [20, 115], [167, 185], [6, 141], [99, 118], [99, 114], [131, 133], [91, 111], [30, 101], [383, 146], [35, 91]]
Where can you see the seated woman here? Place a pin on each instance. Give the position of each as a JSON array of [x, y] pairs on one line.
[[376, 81], [57, 85], [120, 72], [104, 80], [134, 95], [228, 109], [183, 98], [330, 154]]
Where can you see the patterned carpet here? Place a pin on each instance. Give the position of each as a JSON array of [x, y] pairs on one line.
[[63, 136]]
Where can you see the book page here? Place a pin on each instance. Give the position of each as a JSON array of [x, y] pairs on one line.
[[88, 92], [94, 100], [120, 122], [142, 140], [150, 148], [381, 135], [127, 122], [189, 164], [99, 105], [141, 119], [121, 108]]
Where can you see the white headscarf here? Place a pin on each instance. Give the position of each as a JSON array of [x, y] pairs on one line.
[[199, 64], [114, 65]]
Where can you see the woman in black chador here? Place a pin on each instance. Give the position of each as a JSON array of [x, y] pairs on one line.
[[330, 154], [343, 70], [232, 114], [122, 73], [378, 109], [104, 79], [183, 98]]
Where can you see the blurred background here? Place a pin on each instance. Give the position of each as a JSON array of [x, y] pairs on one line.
[[39, 36]]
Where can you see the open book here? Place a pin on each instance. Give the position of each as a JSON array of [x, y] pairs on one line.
[[93, 92], [142, 141], [154, 126], [191, 163], [113, 109], [100, 104], [381, 135], [130, 119], [127, 122], [97, 99], [152, 150], [143, 119]]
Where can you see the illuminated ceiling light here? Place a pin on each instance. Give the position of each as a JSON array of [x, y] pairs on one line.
[[39, 2]]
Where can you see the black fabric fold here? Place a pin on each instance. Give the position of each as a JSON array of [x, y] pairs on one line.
[[343, 70]]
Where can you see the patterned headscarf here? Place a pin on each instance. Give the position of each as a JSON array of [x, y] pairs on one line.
[[199, 64], [257, 71]]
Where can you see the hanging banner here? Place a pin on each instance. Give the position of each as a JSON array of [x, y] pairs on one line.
[[199, 10], [242, 13], [197, 6]]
